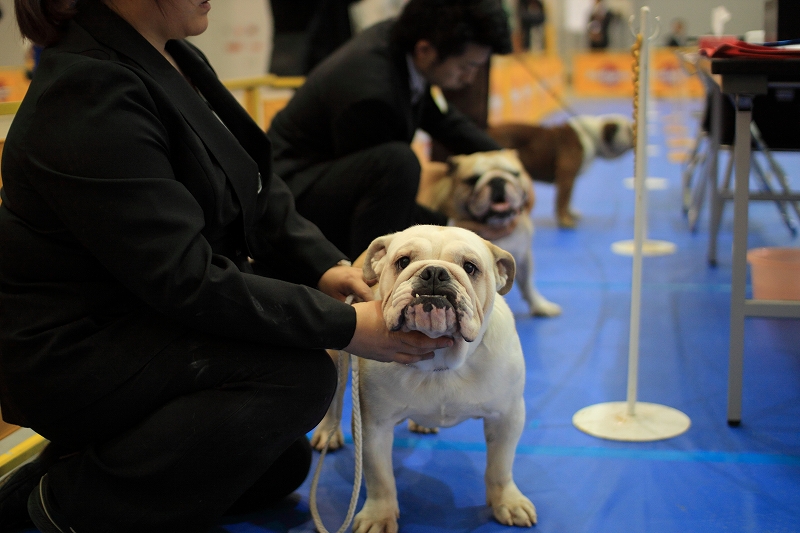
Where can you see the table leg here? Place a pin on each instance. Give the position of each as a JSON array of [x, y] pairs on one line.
[[744, 105], [712, 173]]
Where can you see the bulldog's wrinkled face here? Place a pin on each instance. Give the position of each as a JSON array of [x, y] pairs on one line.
[[438, 280], [489, 187]]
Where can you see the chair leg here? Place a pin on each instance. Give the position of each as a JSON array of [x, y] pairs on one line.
[[717, 201], [695, 160], [697, 196], [779, 174], [766, 186]]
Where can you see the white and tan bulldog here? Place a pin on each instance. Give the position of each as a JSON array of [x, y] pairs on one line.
[[491, 188], [560, 153], [442, 281]]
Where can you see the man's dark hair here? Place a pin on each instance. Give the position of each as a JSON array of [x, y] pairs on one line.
[[450, 24]]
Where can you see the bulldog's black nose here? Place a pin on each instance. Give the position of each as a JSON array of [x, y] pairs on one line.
[[432, 274], [498, 188]]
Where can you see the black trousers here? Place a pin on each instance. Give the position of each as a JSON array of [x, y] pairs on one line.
[[364, 195], [210, 425]]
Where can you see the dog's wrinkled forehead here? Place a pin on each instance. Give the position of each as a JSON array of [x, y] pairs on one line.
[[399, 256], [478, 164], [457, 249]]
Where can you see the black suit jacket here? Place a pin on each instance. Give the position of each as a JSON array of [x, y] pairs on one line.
[[128, 212], [358, 98]]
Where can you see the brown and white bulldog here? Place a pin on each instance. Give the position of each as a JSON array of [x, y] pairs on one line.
[[491, 188], [442, 281], [559, 154]]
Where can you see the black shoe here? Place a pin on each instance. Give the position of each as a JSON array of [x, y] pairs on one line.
[[18, 484], [44, 512]]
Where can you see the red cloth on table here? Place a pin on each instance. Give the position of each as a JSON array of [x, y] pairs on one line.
[[743, 50]]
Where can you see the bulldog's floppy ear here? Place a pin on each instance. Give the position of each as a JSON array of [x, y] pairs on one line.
[[452, 164], [505, 268], [375, 257]]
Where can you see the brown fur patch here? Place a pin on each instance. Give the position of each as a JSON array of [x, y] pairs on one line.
[[551, 154]]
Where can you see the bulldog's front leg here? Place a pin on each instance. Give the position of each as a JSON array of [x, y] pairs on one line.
[[509, 505], [538, 305], [380, 511]]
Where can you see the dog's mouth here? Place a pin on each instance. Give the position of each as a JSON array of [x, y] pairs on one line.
[[491, 203], [435, 300], [433, 314], [497, 214]]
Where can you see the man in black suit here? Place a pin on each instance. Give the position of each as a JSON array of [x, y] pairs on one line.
[[342, 143]]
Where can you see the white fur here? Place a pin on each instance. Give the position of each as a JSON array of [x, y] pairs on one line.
[[484, 378], [520, 245], [588, 128]]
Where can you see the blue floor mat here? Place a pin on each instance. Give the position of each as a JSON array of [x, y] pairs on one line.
[[713, 478]]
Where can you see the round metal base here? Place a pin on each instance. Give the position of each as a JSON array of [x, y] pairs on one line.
[[652, 184], [649, 422], [649, 247]]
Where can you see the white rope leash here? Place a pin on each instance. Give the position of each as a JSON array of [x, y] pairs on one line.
[[356, 440]]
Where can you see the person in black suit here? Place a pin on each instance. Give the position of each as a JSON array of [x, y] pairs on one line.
[[342, 143], [599, 22], [173, 383]]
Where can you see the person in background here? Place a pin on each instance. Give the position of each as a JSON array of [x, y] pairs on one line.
[[173, 383], [342, 143], [329, 28], [677, 36], [599, 21], [531, 18]]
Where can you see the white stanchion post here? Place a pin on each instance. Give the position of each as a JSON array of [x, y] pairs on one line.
[[640, 210], [632, 420], [645, 246]]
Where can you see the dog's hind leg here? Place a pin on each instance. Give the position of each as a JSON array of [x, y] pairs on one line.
[[329, 430], [566, 174]]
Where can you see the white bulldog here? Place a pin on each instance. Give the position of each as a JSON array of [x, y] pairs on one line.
[[441, 281], [490, 188]]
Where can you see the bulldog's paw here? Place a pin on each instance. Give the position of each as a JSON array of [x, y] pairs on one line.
[[376, 517], [510, 507], [538, 304], [567, 221], [544, 307], [320, 436], [416, 428]]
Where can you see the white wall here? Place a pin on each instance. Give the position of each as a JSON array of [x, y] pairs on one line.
[[238, 41], [746, 15], [12, 48]]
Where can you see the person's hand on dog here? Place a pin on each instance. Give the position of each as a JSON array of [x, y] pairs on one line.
[[373, 340], [341, 281]]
